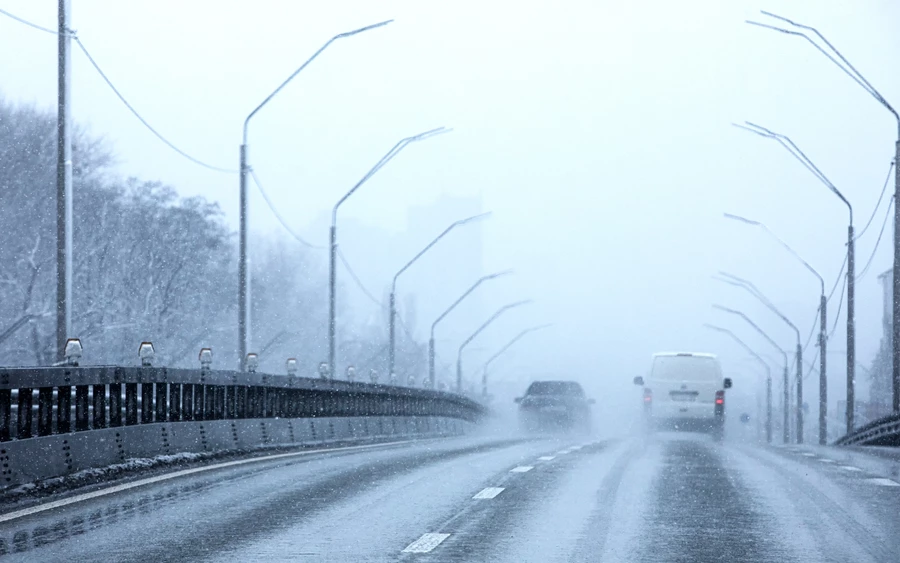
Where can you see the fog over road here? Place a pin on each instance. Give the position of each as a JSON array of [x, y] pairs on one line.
[[664, 497]]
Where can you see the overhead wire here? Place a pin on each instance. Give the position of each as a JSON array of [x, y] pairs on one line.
[[278, 216], [356, 279], [118, 94], [28, 23], [878, 204], [878, 241]]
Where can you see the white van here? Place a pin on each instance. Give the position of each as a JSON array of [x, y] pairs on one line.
[[685, 391]]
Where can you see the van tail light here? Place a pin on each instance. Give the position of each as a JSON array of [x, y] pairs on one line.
[[720, 397], [648, 396]]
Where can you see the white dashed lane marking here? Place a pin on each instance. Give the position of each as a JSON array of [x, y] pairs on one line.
[[883, 482], [425, 543], [807, 454], [823, 460], [546, 457], [850, 468], [521, 469], [489, 492]]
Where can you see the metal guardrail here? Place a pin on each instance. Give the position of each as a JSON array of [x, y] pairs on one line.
[[36, 402], [882, 432]]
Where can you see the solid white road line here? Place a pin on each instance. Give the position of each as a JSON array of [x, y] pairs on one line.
[[521, 469], [883, 482], [489, 492], [850, 468], [426, 543], [546, 457], [174, 475]]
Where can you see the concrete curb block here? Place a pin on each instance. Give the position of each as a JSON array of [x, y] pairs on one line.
[[38, 459]]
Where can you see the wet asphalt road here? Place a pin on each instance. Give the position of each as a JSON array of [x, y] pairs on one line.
[[668, 497]]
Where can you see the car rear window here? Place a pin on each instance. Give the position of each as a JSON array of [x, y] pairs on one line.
[[686, 368], [556, 388]]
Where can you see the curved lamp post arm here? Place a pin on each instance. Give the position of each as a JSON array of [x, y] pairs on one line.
[[748, 286], [490, 320], [756, 327], [401, 144], [304, 65], [781, 242], [464, 295], [797, 153], [435, 241], [849, 70], [741, 342], [509, 344]]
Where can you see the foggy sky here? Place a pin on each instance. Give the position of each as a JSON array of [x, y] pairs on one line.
[[598, 133]]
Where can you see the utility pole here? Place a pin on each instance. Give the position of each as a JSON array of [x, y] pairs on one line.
[[63, 186], [243, 268], [823, 381], [895, 279], [851, 330]]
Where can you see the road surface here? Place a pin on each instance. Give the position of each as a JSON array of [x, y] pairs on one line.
[[667, 497]]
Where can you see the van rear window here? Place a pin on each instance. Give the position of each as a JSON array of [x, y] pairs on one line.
[[688, 368], [569, 388]]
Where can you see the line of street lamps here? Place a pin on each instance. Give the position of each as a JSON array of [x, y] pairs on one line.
[[393, 299], [332, 273], [838, 59], [244, 335], [328, 369], [753, 290], [768, 378], [795, 151], [823, 322]]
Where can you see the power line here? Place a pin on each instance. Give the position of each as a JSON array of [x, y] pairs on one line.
[[119, 94], [141, 119], [877, 242], [877, 205], [278, 215], [28, 23], [357, 280], [838, 314]]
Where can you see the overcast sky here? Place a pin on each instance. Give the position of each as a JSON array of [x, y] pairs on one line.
[[598, 133]]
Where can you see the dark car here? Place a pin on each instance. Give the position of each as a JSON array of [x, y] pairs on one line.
[[554, 405]]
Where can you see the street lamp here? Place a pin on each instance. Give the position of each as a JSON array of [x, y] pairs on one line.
[[487, 364], [823, 323], [857, 77], [471, 337], [449, 309], [393, 303], [752, 289], [768, 377], [332, 275], [785, 431], [244, 260], [788, 144]]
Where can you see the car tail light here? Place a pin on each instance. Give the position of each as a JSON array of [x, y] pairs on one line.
[[648, 396], [720, 397]]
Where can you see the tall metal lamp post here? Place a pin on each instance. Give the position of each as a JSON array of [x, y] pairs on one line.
[[244, 259], [857, 77], [393, 298], [823, 325], [460, 299], [478, 331], [768, 376], [332, 263]]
